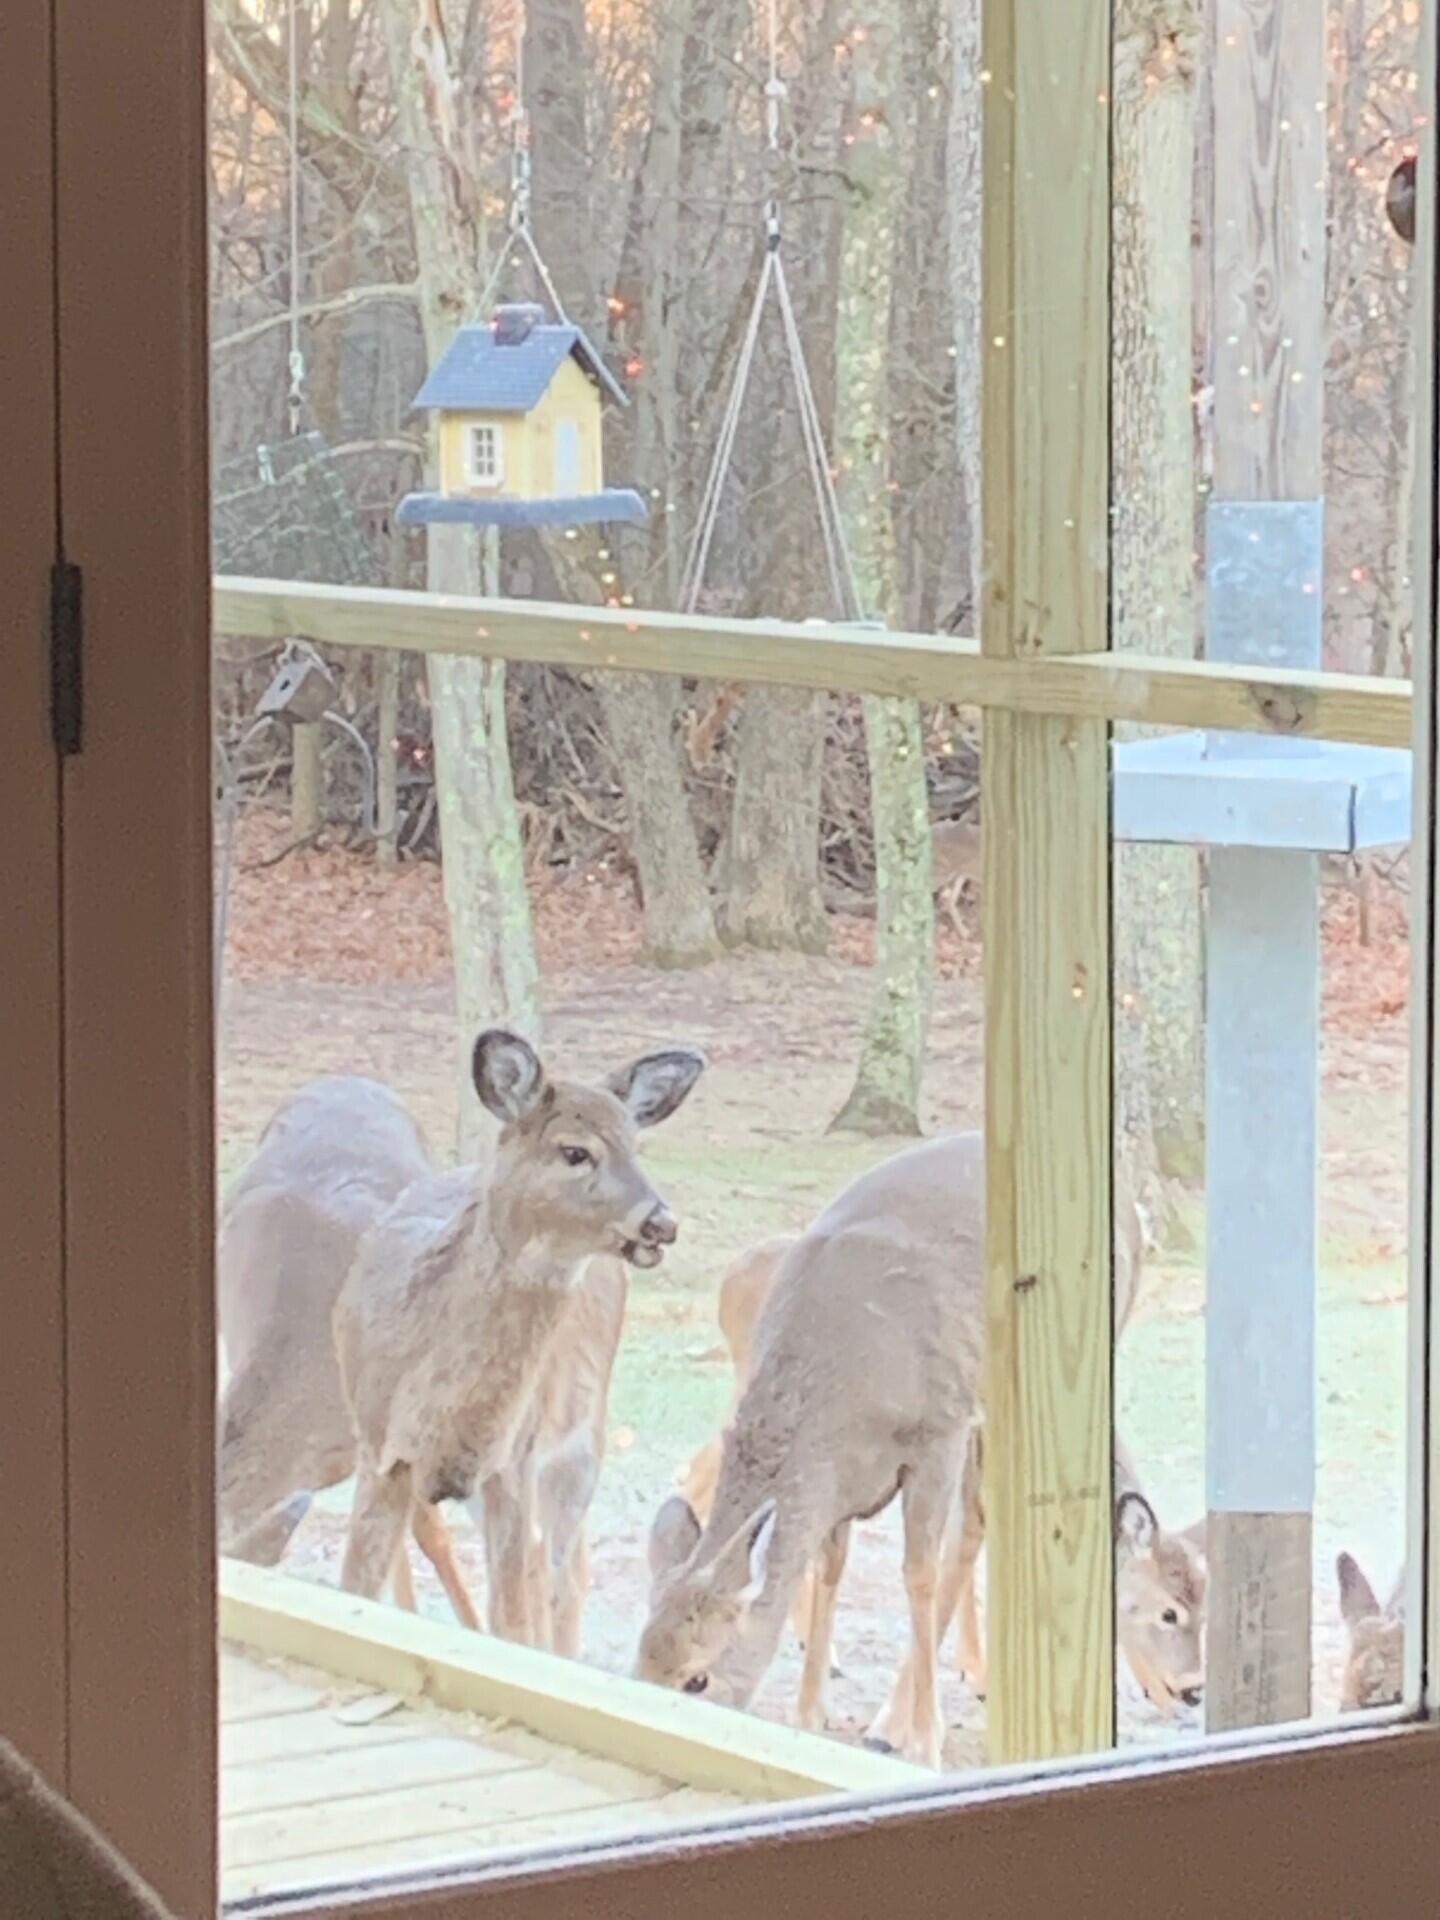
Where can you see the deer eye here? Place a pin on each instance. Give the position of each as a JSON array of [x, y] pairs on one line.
[[1170, 1617], [697, 1683], [577, 1156]]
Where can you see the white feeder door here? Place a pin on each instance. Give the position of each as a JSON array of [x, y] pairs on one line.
[[567, 457]]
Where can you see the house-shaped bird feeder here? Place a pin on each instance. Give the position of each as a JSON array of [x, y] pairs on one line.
[[518, 402]]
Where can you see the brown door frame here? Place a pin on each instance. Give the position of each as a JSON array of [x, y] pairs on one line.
[[138, 1045], [32, 1479]]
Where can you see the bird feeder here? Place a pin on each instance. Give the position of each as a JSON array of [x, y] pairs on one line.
[[517, 403], [301, 691]]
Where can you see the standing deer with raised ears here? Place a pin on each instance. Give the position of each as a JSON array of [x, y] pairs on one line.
[[444, 1322], [333, 1162]]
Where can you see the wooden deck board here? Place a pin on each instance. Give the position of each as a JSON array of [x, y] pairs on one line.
[[372, 1767], [248, 1743], [309, 1797]]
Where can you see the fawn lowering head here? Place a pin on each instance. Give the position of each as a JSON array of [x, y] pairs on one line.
[[566, 1171], [1374, 1674], [1160, 1581], [702, 1601]]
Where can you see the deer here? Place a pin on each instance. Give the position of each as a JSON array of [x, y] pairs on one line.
[[1161, 1575], [863, 1383], [1374, 1672], [532, 1513], [332, 1161], [444, 1320], [955, 861]]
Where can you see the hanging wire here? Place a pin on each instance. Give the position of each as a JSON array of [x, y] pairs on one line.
[[521, 234], [295, 399], [838, 564]]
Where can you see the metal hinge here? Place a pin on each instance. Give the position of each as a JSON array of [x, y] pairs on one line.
[[67, 634]]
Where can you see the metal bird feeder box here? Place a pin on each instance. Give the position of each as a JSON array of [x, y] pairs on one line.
[[302, 689]]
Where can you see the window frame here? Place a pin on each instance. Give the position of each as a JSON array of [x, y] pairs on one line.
[[1273, 1827], [496, 476]]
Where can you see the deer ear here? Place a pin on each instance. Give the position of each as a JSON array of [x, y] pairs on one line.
[[1357, 1596], [674, 1536], [653, 1086], [743, 1561], [1135, 1522], [508, 1075]]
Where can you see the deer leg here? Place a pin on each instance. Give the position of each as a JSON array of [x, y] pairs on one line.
[[378, 1518], [927, 1503], [433, 1538], [504, 1517], [824, 1588], [958, 1586], [402, 1583], [572, 1583], [267, 1464]]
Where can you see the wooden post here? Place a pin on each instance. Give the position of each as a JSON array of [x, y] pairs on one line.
[[306, 780], [1262, 1022], [1046, 897], [387, 808]]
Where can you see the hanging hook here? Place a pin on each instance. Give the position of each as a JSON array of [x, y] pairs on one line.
[[295, 399]]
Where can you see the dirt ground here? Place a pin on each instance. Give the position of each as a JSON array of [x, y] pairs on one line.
[[331, 967]]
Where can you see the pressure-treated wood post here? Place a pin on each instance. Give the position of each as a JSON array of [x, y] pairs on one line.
[[1046, 897], [306, 780], [1264, 600]]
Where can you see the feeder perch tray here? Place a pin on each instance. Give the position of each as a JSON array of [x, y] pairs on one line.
[[579, 510]]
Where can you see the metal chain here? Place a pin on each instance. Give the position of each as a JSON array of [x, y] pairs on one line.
[[838, 563], [295, 398]]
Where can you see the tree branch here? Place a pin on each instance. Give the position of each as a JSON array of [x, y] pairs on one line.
[[340, 303]]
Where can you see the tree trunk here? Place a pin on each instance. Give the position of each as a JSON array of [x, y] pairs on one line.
[[885, 1097], [1159, 1074], [964, 208], [770, 870], [481, 852], [496, 979], [640, 709]]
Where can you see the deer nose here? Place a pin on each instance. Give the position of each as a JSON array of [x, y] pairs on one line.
[[1192, 1696], [660, 1227]]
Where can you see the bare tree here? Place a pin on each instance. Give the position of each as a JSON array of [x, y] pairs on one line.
[[885, 1096], [496, 979], [1159, 981]]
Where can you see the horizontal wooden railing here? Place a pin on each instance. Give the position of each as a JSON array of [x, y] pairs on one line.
[[1096, 686]]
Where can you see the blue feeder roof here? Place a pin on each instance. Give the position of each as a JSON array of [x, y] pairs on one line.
[[482, 371]]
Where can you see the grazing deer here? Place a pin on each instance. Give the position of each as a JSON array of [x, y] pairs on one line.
[[863, 1381], [955, 862], [444, 1321], [1374, 1674]]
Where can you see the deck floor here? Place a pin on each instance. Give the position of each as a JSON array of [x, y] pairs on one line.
[[324, 1781]]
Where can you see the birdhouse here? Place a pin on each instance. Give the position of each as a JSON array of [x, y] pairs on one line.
[[301, 690], [518, 403]]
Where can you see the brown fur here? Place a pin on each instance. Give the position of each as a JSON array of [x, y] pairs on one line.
[[445, 1320], [335, 1159], [1166, 1578], [1374, 1671]]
